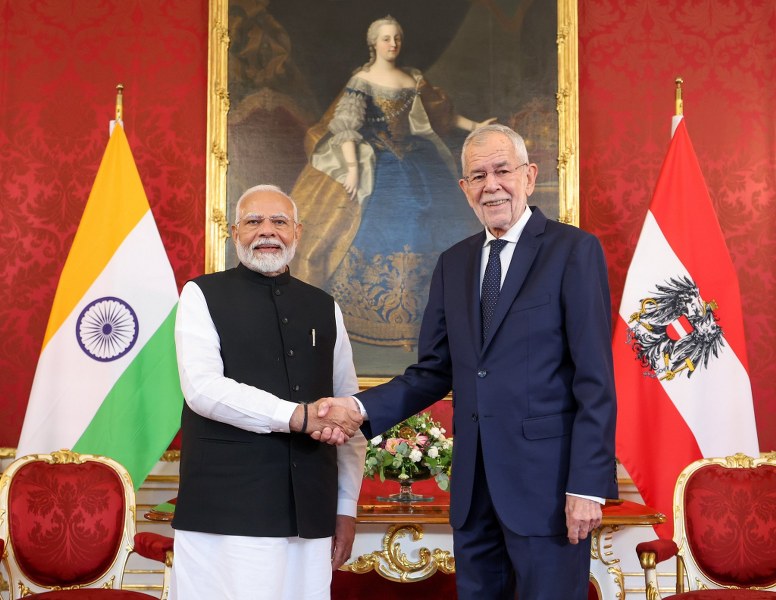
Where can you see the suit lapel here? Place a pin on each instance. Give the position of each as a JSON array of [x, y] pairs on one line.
[[472, 284], [525, 254]]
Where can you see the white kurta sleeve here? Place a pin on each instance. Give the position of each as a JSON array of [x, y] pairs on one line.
[[350, 456], [206, 390]]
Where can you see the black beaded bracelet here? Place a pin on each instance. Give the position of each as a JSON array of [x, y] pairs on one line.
[[304, 420]]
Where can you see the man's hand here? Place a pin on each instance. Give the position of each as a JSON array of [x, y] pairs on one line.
[[342, 542], [329, 420], [324, 406], [582, 516]]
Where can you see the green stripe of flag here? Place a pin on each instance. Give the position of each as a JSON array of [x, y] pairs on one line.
[[141, 414]]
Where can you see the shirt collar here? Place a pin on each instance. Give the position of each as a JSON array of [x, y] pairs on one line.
[[513, 233]]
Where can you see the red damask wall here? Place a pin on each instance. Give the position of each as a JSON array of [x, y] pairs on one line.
[[630, 54], [60, 62]]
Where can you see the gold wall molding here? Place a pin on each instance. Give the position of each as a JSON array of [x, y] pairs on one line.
[[216, 227], [568, 112]]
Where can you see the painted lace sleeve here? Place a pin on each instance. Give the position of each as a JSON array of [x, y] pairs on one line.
[[348, 117]]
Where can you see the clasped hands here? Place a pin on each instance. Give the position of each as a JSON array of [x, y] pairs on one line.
[[330, 420]]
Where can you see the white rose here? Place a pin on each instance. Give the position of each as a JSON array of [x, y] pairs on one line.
[[433, 452], [416, 455], [376, 440], [434, 432]]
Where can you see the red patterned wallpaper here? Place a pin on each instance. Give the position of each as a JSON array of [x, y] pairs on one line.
[[59, 66], [630, 53], [60, 62]]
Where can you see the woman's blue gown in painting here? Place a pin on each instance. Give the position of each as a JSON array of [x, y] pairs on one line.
[[375, 255]]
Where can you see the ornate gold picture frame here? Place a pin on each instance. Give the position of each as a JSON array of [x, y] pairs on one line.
[[258, 52]]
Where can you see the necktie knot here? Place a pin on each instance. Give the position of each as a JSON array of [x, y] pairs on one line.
[[496, 246], [491, 284]]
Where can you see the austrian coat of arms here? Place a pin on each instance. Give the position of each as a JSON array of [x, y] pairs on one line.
[[675, 331]]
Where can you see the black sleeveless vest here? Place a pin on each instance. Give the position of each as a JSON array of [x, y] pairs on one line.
[[237, 482]]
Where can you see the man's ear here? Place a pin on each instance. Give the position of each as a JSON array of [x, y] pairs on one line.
[[532, 173]]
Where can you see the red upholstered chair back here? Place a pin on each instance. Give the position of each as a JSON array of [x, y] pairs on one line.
[[68, 520], [725, 522]]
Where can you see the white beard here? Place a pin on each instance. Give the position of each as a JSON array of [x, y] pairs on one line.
[[265, 263]]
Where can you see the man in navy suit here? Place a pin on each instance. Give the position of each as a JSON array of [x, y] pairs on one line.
[[533, 387]]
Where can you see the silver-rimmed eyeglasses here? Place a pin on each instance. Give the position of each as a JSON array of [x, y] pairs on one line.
[[252, 221], [477, 179]]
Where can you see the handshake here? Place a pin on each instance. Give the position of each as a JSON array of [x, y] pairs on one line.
[[330, 420]]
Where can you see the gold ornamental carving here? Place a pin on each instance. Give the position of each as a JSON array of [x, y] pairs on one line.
[[393, 563], [619, 580], [601, 545]]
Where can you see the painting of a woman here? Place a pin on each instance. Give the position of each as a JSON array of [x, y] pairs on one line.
[[378, 182]]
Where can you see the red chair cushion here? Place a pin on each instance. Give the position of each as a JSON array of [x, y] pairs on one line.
[[153, 545], [730, 518], [66, 521], [663, 549]]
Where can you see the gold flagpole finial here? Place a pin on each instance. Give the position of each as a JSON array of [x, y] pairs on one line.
[[678, 97], [120, 102]]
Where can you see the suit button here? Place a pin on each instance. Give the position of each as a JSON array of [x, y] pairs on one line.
[[474, 417], [290, 352], [297, 387], [277, 292], [284, 320], [481, 373]]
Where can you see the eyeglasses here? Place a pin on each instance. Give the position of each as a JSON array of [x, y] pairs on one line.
[[252, 221], [477, 179]]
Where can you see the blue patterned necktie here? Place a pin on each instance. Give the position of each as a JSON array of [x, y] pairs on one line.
[[491, 285]]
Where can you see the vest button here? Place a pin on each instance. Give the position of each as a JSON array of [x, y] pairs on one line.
[[297, 387], [277, 291], [482, 373], [284, 320], [290, 352]]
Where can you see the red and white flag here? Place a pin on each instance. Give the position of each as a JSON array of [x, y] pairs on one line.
[[679, 354]]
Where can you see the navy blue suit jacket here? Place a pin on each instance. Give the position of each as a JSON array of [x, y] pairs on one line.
[[538, 393]]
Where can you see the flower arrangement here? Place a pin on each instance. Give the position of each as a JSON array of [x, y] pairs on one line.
[[412, 450]]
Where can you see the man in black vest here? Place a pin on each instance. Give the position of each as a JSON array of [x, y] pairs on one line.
[[263, 511]]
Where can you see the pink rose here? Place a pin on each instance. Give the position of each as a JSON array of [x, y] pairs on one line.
[[391, 444], [421, 440]]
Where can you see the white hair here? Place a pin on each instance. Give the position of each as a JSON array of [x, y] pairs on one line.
[[264, 188], [477, 137]]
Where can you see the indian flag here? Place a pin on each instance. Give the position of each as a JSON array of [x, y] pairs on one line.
[[107, 379]]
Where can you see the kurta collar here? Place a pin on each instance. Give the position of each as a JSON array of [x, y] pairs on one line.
[[283, 279]]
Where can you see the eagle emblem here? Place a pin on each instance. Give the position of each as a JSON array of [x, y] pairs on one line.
[[675, 331]]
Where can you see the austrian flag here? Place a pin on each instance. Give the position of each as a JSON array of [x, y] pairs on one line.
[[679, 354]]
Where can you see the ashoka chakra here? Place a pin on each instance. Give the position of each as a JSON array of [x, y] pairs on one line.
[[107, 329]]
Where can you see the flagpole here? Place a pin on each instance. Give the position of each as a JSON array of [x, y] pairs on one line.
[[120, 103], [678, 105]]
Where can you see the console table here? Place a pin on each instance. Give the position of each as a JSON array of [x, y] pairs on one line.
[[409, 543]]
